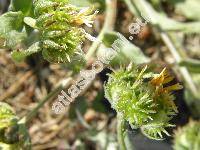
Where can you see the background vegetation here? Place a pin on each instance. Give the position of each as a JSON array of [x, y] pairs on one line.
[[33, 70]]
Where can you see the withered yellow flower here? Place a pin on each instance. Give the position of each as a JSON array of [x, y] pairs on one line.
[[85, 16], [163, 78]]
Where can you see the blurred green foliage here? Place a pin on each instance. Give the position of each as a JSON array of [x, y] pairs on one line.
[[13, 134]]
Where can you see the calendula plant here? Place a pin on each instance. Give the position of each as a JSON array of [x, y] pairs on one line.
[[143, 99], [55, 28], [187, 137], [13, 134]]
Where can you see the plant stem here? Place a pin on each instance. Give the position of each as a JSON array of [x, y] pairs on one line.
[[131, 7], [111, 11], [26, 119], [183, 70], [120, 132]]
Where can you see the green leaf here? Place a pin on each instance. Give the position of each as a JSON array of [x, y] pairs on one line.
[[7, 115], [187, 137], [128, 51], [80, 104], [85, 3], [189, 8], [77, 63], [15, 39], [30, 21], [13, 134], [22, 5], [172, 25], [22, 54], [98, 104], [81, 3], [192, 64], [165, 22], [10, 21]]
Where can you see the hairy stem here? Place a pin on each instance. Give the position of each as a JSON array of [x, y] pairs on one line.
[[120, 132], [111, 12], [131, 7], [183, 70]]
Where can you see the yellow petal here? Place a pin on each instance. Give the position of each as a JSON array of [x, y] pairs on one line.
[[163, 78], [174, 87], [168, 79], [158, 80]]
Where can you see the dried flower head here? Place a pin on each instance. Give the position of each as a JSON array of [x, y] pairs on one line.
[[143, 99], [13, 135], [60, 25], [188, 137]]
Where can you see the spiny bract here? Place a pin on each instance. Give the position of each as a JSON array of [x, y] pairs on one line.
[[59, 24], [142, 98], [188, 137], [13, 135]]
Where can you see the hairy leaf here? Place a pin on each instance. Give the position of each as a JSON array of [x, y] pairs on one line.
[[10, 21], [15, 39], [127, 51], [19, 55], [164, 22], [13, 134]]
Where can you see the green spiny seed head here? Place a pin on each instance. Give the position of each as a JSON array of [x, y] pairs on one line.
[[188, 137], [141, 98], [13, 136], [60, 26], [130, 99]]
